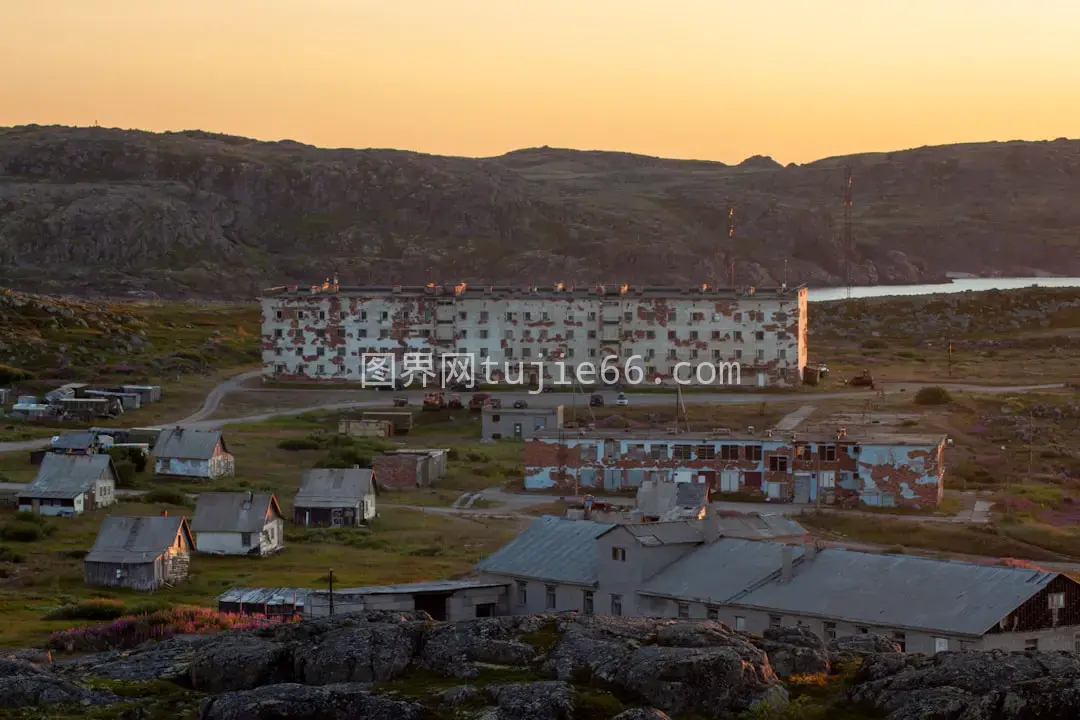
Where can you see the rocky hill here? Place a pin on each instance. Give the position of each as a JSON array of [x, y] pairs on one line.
[[403, 666], [95, 210]]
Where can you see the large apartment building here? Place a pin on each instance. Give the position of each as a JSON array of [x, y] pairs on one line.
[[749, 336]]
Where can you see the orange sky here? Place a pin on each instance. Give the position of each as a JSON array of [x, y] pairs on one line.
[[716, 79]]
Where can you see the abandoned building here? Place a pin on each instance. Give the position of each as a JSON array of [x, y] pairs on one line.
[[441, 599], [365, 428], [687, 571], [86, 443], [666, 500], [411, 467], [68, 485], [140, 553], [518, 423], [754, 336], [200, 454], [238, 523], [883, 470], [336, 497]]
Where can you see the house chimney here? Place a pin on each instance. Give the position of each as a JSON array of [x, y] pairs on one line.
[[786, 554]]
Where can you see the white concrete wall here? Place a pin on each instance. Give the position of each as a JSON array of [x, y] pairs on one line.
[[223, 543], [272, 537]]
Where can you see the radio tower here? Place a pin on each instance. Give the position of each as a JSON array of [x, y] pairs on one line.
[[731, 243], [849, 244]]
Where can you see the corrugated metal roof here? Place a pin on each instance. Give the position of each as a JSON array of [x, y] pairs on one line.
[[758, 525], [550, 549], [73, 441], [665, 533], [265, 596], [334, 487], [690, 494], [656, 498], [243, 512], [66, 476], [901, 591], [132, 539], [187, 444], [719, 571]]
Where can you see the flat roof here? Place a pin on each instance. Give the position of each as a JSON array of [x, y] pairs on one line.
[[552, 292], [411, 588], [783, 437]]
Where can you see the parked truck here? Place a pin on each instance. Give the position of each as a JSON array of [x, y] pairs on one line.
[[479, 401], [434, 401]]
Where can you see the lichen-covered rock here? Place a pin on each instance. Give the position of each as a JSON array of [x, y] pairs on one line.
[[854, 647], [24, 684], [453, 649], [552, 700], [166, 660], [288, 701], [794, 651], [970, 685], [239, 663], [371, 652], [642, 714]]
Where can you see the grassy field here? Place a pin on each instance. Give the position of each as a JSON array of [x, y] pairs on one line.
[[402, 546]]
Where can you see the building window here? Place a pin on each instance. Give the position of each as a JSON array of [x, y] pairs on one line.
[[712, 613], [941, 644], [682, 452], [828, 453], [592, 334], [778, 463], [830, 631], [587, 602], [569, 334], [483, 316], [862, 630], [618, 554], [278, 314], [528, 317], [1056, 601], [523, 596], [753, 453], [900, 639], [684, 611], [1031, 644], [774, 621], [729, 452], [706, 452], [550, 597], [616, 605], [245, 539], [740, 623]]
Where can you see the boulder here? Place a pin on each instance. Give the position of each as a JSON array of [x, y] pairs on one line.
[[970, 685], [855, 647], [642, 714], [166, 660], [289, 701], [552, 700], [239, 663], [453, 649], [23, 684], [794, 651], [367, 653]]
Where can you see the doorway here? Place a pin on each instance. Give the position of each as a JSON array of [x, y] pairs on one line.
[[434, 604], [517, 431]]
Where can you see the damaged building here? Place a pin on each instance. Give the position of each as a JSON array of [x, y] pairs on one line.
[[875, 469], [750, 336]]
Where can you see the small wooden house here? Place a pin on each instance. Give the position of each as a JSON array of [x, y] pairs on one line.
[[70, 485], [140, 553], [335, 497], [201, 454], [238, 523]]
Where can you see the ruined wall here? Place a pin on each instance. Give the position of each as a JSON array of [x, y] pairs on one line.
[[397, 471], [804, 471], [323, 335]]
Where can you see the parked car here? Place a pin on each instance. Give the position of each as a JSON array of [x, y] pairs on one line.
[[520, 404], [401, 401], [622, 399], [597, 400]]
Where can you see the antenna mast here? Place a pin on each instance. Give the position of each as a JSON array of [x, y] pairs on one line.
[[731, 242], [849, 244]]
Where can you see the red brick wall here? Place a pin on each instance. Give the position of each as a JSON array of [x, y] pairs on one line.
[[396, 471]]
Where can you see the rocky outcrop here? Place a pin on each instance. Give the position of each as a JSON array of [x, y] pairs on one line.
[[114, 211], [970, 685], [794, 651], [856, 647], [24, 683], [291, 701]]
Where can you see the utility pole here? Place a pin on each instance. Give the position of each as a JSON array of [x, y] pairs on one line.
[[1031, 441], [950, 358], [731, 243], [331, 577]]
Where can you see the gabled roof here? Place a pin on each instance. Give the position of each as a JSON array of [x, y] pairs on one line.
[[651, 534], [73, 441], [67, 476], [187, 444], [334, 487], [131, 540], [242, 512], [901, 591], [552, 549], [716, 572]]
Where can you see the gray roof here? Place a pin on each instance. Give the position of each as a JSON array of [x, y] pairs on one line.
[[656, 497], [334, 487], [409, 588], [133, 540], [690, 494], [187, 444], [757, 525], [664, 533], [73, 441], [67, 476], [717, 572], [243, 512], [550, 549], [901, 591], [265, 596]]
